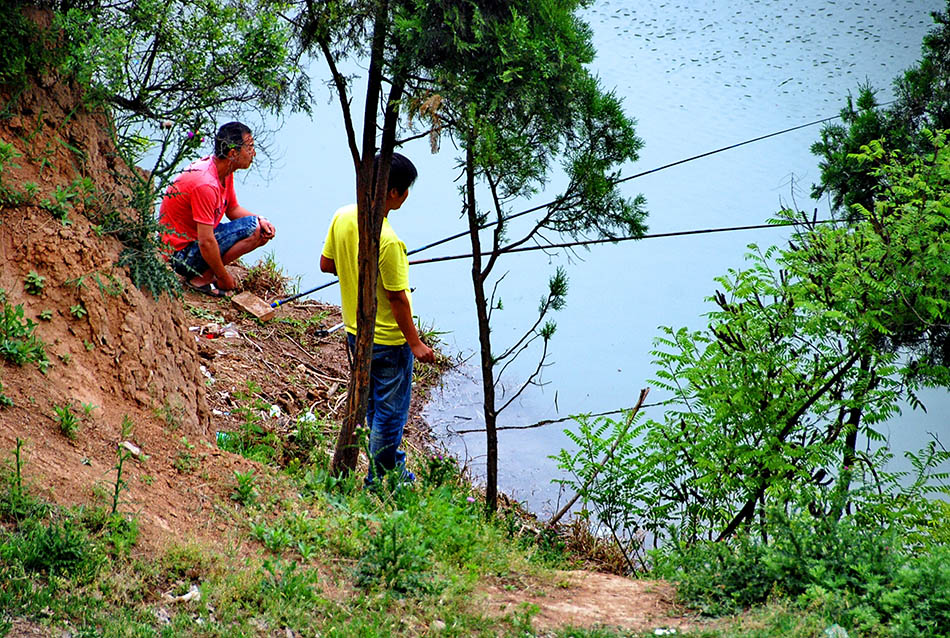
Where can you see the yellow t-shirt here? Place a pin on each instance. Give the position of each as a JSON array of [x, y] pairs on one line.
[[342, 246]]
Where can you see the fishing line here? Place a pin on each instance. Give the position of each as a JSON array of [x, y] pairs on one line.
[[590, 242], [554, 202]]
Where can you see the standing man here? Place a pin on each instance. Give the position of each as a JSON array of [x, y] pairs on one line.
[[395, 339], [194, 205]]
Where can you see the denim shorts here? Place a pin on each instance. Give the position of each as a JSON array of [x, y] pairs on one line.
[[188, 261]]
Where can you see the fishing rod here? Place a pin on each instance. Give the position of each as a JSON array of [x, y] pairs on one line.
[[533, 209]]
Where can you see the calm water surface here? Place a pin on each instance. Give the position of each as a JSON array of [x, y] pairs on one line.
[[697, 76]]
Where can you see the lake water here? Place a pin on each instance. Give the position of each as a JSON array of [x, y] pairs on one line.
[[697, 76]]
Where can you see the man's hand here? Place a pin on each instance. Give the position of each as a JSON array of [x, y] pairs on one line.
[[423, 353], [226, 282], [267, 229]]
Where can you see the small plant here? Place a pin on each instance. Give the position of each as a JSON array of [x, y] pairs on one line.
[[68, 422], [245, 493], [186, 462], [46, 315], [397, 558], [266, 278], [252, 440], [65, 357], [5, 401], [59, 204], [120, 484], [15, 503], [203, 314], [18, 344], [34, 282], [78, 311]]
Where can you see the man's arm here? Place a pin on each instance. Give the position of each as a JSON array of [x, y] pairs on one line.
[[327, 265], [402, 313], [211, 253]]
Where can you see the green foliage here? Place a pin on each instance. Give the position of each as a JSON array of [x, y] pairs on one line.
[[27, 51], [922, 102], [59, 204], [439, 469], [57, 548], [397, 557], [18, 344], [799, 359], [252, 440], [511, 88], [191, 61], [289, 583], [16, 503], [5, 401], [865, 578], [34, 282], [245, 492], [67, 420]]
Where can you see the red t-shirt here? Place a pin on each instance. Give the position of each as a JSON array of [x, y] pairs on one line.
[[195, 197]]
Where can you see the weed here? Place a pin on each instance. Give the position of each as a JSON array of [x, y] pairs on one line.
[[288, 582], [18, 344], [186, 462], [172, 412], [78, 311], [245, 492], [120, 484], [34, 282], [205, 315], [68, 422], [252, 440], [398, 557], [16, 503], [266, 278], [5, 401], [59, 204]]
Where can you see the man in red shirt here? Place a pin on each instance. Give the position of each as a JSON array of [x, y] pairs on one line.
[[194, 205]]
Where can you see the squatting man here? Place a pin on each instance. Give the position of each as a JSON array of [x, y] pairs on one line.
[[196, 202]]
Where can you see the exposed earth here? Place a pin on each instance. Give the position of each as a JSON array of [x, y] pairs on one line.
[[166, 375]]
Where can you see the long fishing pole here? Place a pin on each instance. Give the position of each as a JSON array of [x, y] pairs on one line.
[[459, 235]]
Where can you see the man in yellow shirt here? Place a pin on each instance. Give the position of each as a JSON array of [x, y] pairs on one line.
[[395, 339]]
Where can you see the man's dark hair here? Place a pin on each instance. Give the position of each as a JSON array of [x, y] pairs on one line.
[[230, 135], [402, 172]]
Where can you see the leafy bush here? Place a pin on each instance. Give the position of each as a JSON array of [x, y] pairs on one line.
[[862, 577]]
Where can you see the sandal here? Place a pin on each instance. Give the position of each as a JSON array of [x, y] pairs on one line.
[[208, 289]]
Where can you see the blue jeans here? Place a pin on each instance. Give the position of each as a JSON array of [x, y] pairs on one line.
[[188, 261], [390, 388]]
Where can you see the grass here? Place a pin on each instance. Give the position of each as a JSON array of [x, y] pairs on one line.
[[337, 562]]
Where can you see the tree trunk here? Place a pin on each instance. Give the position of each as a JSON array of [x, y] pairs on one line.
[[370, 198], [484, 341]]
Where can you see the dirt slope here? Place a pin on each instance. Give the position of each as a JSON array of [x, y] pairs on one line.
[[165, 366]]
